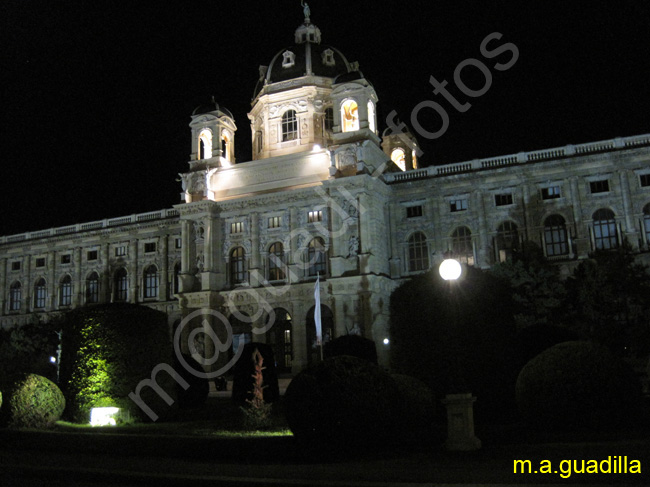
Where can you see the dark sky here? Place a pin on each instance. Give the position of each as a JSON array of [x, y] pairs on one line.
[[96, 97]]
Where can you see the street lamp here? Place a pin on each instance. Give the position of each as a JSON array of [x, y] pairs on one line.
[[460, 407], [450, 269]]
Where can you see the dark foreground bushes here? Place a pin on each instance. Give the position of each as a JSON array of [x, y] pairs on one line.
[[579, 386], [33, 402], [346, 405]]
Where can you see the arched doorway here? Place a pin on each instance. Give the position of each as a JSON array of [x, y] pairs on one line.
[[327, 323], [280, 337]]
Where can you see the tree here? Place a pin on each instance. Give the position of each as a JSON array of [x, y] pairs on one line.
[[456, 337], [537, 291], [608, 301]]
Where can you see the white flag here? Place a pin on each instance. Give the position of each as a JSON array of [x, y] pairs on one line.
[[317, 322]]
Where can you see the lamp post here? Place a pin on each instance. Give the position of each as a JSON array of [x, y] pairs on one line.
[[460, 406]]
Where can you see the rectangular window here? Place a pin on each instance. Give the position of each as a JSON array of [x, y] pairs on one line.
[[178, 243], [15, 266], [237, 227], [504, 199], [315, 216], [551, 192], [600, 186], [275, 222], [149, 247], [458, 205], [91, 255], [120, 251], [40, 262], [66, 259], [645, 180], [413, 211]]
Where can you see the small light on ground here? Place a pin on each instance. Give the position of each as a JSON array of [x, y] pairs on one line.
[[386, 341], [53, 360], [104, 416]]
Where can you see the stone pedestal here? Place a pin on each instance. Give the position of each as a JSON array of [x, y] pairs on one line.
[[460, 423]]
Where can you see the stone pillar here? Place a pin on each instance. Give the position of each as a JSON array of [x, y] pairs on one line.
[[481, 257], [460, 422], [28, 284], [77, 278], [630, 230], [51, 280], [163, 294], [3, 285], [581, 244], [134, 278], [105, 288], [255, 269], [365, 232]]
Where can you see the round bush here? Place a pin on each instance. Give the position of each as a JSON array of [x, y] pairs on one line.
[[35, 402], [417, 405], [577, 385], [353, 345], [342, 403]]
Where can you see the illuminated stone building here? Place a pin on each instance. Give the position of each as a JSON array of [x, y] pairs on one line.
[[324, 196]]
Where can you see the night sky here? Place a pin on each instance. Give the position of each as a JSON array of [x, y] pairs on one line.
[[96, 99]]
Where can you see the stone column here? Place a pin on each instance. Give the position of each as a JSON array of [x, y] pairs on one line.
[[481, 256], [51, 279], [78, 282], [134, 278], [3, 285], [255, 269], [580, 246], [630, 230], [105, 289], [163, 294]]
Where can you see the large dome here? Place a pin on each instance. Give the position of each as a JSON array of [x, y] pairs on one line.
[[308, 57]]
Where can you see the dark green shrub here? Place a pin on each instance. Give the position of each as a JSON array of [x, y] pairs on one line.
[[352, 345], [342, 404], [34, 402], [417, 406], [534, 339], [197, 393], [107, 351], [577, 385], [244, 369], [27, 349]]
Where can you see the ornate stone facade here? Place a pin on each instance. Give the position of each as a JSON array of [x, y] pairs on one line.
[[321, 198]]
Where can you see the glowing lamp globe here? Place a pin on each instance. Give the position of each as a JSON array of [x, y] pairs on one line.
[[450, 269]]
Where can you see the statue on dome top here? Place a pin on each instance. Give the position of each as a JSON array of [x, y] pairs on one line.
[[306, 10]]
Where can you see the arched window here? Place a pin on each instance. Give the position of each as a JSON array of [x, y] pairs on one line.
[[398, 156], [150, 282], [317, 257], [39, 294], [349, 116], [205, 144], [238, 266], [15, 296], [280, 337], [276, 262], [242, 331], [329, 119], [555, 236], [289, 126], [65, 291], [605, 237], [507, 241], [225, 145], [92, 288], [259, 141], [461, 245], [177, 283], [371, 117], [418, 252], [121, 281]]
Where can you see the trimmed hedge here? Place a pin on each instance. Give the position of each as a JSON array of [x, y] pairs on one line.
[[34, 402], [342, 404], [577, 385], [243, 371], [417, 406], [107, 351], [352, 345]]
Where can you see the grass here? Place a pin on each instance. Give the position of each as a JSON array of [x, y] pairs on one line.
[[218, 417]]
